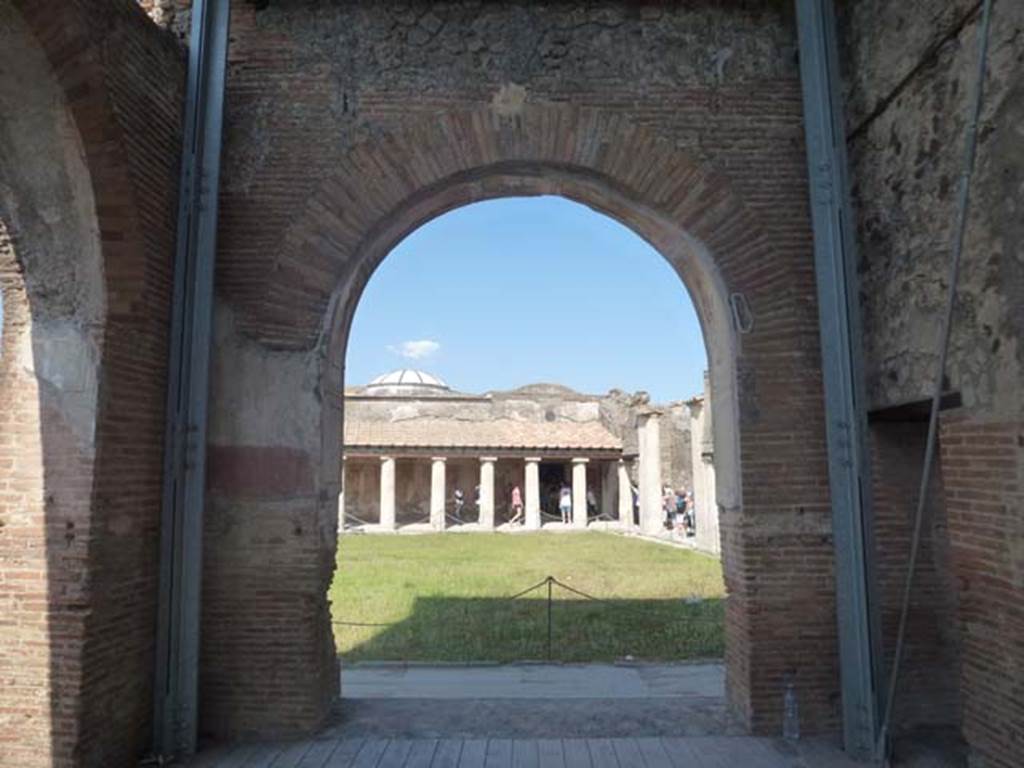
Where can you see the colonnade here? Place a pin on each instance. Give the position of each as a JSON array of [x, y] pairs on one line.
[[616, 489], [618, 481]]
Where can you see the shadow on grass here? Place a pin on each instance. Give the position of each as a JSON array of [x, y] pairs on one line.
[[446, 629]]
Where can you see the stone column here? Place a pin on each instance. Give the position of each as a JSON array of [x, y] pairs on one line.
[[387, 492], [579, 493], [437, 493], [703, 482], [649, 443], [341, 498], [532, 486], [625, 496], [487, 492]]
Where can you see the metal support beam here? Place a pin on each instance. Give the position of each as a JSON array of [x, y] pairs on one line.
[[842, 372], [176, 681]]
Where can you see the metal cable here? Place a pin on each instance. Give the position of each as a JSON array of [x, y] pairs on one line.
[[350, 516], [517, 595], [538, 585], [943, 351], [365, 623], [543, 582]]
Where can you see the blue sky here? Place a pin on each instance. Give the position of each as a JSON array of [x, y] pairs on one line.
[[521, 290]]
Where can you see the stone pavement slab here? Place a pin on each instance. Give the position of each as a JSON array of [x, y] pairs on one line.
[[534, 681]]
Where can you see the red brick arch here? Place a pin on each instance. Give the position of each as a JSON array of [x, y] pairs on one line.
[[395, 183], [84, 42], [90, 520], [768, 418]]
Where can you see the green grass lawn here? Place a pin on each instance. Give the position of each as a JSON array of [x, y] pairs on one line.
[[445, 597]]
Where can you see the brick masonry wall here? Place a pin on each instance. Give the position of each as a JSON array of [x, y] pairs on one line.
[[983, 466], [350, 125], [929, 691], [52, 290], [98, 505], [144, 78], [45, 475], [25, 723], [909, 69]]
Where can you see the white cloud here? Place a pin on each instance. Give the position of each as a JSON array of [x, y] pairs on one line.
[[419, 349]]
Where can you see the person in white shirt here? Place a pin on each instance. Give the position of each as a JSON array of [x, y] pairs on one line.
[[565, 503]]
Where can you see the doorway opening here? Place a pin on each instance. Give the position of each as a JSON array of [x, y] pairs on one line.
[[526, 406]]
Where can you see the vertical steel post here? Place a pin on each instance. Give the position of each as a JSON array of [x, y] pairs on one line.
[[842, 372], [176, 679], [550, 579]]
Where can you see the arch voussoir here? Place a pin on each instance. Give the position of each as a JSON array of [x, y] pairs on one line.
[[376, 178]]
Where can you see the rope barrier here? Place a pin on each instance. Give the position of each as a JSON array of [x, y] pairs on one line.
[[359, 520], [365, 623], [526, 591]]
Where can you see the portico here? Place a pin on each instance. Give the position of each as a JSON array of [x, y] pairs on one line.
[[443, 474]]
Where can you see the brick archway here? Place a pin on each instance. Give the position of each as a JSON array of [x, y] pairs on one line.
[[90, 218], [285, 324]]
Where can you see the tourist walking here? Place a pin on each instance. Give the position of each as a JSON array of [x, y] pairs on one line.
[[517, 505], [458, 501], [680, 512], [668, 505], [565, 503]]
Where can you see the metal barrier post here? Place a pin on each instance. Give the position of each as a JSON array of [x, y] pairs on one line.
[[550, 581]]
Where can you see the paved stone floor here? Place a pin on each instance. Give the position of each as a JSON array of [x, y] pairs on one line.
[[649, 752], [535, 681], [535, 716], [533, 701]]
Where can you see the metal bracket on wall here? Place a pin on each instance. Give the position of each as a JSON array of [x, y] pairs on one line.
[[742, 317], [176, 678], [842, 373]]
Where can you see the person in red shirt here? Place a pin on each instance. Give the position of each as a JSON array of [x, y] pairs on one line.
[[517, 505]]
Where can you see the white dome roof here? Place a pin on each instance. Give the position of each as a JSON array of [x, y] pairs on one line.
[[407, 378]]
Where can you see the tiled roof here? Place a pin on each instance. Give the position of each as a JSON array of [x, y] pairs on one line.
[[498, 434]]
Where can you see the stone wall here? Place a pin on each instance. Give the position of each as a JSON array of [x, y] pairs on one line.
[[907, 112], [676, 459], [909, 69], [362, 490], [619, 414]]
